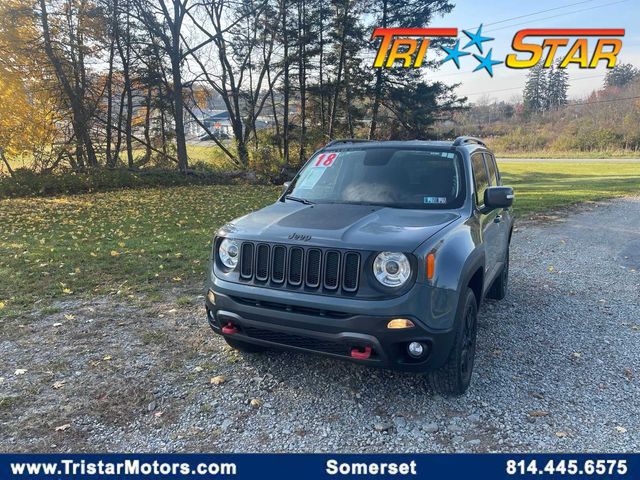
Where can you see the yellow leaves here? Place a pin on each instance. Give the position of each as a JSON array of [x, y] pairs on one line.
[[115, 253], [2, 305], [67, 291]]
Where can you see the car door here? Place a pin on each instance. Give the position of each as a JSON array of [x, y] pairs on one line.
[[503, 217], [489, 224]]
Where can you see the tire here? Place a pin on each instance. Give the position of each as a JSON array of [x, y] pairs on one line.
[[454, 377], [244, 346], [499, 288]]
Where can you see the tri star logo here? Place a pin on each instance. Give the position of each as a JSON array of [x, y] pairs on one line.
[[475, 39]]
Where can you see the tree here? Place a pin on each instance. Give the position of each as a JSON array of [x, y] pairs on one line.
[[535, 90], [621, 75], [408, 14], [68, 38], [557, 85]]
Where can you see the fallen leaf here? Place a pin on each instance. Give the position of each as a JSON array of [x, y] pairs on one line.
[[64, 427], [114, 253], [550, 268], [106, 358], [538, 413], [158, 414], [218, 380], [197, 369], [628, 373], [20, 371], [68, 291], [68, 316], [255, 403], [58, 385], [562, 434], [57, 324], [576, 355], [2, 305], [620, 429]]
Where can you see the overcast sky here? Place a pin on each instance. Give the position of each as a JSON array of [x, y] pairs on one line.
[[468, 14]]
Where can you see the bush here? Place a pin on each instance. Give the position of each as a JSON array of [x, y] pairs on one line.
[[25, 182]]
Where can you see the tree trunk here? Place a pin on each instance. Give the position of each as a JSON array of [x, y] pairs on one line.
[[285, 50], [302, 73], [377, 91]]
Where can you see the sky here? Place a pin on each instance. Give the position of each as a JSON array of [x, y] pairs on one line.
[[497, 18]]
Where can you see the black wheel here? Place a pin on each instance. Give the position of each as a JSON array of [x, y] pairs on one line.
[[244, 346], [454, 377], [499, 288]]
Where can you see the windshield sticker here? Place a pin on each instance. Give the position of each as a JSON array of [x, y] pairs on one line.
[[435, 200], [325, 160], [311, 178]]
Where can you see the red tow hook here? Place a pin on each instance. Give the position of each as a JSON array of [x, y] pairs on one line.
[[229, 329], [361, 355]]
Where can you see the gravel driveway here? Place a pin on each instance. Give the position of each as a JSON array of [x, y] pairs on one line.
[[558, 369]]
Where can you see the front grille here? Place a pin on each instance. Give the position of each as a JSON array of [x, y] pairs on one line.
[[298, 267]]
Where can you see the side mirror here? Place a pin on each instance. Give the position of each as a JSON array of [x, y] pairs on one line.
[[285, 187], [497, 197]]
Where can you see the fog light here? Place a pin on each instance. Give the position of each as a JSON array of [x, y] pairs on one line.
[[415, 349], [400, 323], [211, 297]]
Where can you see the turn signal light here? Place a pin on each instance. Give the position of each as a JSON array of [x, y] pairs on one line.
[[400, 323], [431, 266], [211, 297]]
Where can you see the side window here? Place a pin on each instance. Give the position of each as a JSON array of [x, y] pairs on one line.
[[493, 169], [479, 176]]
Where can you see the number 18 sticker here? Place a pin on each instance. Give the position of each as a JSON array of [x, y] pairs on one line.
[[325, 159]]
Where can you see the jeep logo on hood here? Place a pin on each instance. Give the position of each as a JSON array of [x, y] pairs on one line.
[[297, 236]]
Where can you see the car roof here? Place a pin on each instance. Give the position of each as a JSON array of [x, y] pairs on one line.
[[467, 142]]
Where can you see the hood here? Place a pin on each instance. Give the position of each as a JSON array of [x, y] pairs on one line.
[[362, 227]]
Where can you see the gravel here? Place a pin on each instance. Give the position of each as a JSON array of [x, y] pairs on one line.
[[558, 369]]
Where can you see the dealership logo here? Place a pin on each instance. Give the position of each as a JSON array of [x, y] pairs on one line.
[[586, 48]]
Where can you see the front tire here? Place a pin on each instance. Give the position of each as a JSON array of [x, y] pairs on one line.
[[454, 377], [244, 346]]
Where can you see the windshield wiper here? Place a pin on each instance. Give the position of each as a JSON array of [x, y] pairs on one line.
[[298, 199]]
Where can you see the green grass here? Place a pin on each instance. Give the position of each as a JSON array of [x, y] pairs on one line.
[[541, 186], [597, 154], [139, 242], [126, 242]]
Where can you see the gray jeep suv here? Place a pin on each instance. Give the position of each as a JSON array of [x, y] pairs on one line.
[[378, 252]]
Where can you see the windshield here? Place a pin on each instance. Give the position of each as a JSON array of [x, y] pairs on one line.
[[392, 177]]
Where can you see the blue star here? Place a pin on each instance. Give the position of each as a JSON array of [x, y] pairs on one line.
[[486, 62], [454, 54], [476, 39]]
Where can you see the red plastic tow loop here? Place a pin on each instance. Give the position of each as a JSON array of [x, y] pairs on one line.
[[356, 353], [229, 329]]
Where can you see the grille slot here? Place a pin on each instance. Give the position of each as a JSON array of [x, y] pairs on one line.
[[314, 264], [296, 257], [246, 260], [327, 270], [278, 269], [297, 341], [331, 270], [351, 272], [262, 262]]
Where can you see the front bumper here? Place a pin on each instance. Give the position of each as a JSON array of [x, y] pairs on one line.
[[274, 322]]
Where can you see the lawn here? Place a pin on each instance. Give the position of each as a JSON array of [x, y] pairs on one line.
[[139, 243]]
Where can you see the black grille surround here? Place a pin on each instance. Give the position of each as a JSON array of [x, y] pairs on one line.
[[293, 267]]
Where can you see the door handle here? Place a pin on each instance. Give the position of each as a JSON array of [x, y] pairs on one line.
[[497, 219]]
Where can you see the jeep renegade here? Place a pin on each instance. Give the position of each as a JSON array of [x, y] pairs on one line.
[[378, 252]]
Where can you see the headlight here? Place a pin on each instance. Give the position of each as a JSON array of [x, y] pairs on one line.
[[228, 252], [392, 269]]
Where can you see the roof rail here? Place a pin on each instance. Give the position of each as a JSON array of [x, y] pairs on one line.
[[347, 140], [463, 140]]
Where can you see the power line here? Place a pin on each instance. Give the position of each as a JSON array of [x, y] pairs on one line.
[[538, 13], [558, 15], [520, 88], [602, 101]]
